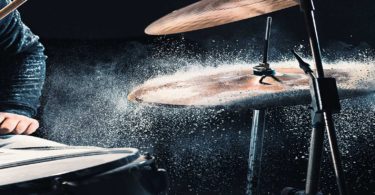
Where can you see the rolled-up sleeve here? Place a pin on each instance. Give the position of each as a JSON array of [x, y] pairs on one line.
[[22, 66]]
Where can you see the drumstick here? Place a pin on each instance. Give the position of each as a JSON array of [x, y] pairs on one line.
[[10, 8]]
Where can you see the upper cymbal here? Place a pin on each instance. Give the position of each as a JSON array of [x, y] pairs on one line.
[[210, 13]]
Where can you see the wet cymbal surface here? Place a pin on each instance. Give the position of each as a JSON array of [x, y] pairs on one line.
[[210, 13], [238, 86]]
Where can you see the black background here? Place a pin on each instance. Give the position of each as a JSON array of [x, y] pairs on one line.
[[341, 20]]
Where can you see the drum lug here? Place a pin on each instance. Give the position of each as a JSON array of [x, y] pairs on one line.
[[60, 185], [148, 156]]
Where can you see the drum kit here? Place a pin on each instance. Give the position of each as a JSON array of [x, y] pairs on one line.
[[259, 87], [82, 170]]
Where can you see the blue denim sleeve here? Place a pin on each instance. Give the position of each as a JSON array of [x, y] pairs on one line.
[[22, 66]]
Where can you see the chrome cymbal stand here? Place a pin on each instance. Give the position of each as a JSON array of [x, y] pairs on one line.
[[325, 102], [258, 124]]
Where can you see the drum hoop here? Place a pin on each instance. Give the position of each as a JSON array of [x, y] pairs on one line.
[[59, 157], [78, 175]]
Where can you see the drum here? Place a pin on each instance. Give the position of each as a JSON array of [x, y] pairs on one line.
[[79, 170]]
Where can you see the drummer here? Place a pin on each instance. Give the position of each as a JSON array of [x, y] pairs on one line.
[[22, 74]]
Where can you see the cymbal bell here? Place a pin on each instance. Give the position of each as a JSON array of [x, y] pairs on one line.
[[210, 13]]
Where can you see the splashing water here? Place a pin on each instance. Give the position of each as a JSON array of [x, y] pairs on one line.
[[86, 104]]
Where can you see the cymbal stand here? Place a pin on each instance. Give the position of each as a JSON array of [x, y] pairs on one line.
[[255, 152], [325, 102], [258, 124]]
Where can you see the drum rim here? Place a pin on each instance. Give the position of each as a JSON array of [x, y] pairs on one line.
[[61, 157], [74, 175]]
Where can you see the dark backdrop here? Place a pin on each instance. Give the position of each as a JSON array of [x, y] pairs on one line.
[[343, 20]]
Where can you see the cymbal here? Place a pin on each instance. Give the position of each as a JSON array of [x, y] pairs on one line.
[[210, 13], [227, 86]]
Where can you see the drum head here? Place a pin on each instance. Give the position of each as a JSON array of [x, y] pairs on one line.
[[24, 165], [236, 85]]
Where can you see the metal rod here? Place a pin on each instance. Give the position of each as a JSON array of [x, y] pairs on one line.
[[335, 154], [312, 181], [255, 153], [308, 9], [315, 155], [10, 8], [266, 40]]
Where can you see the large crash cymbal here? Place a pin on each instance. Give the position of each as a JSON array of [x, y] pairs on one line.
[[237, 86], [210, 13]]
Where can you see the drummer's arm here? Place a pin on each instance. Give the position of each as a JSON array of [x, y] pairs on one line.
[[22, 74]]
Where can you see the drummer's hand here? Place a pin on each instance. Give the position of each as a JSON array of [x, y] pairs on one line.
[[17, 124]]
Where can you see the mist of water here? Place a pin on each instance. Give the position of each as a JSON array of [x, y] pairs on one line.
[[86, 104]]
